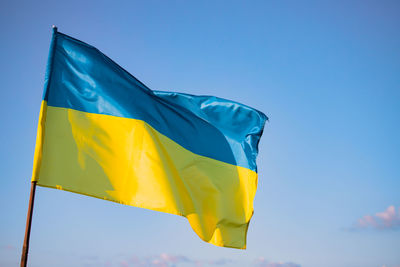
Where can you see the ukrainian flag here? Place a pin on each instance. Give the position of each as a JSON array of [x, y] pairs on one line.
[[104, 134]]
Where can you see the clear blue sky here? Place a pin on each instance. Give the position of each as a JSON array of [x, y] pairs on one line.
[[327, 73]]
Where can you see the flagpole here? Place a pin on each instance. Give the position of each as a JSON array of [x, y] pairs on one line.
[[25, 248]]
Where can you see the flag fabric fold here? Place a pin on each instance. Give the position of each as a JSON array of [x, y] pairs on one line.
[[104, 134]]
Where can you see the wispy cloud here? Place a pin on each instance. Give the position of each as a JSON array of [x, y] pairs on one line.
[[262, 262], [169, 260], [165, 260], [388, 219]]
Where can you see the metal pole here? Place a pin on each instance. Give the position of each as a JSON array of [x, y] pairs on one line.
[[25, 248]]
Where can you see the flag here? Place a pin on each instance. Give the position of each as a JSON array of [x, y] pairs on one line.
[[104, 134]]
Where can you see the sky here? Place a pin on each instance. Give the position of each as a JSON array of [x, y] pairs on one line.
[[326, 73]]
